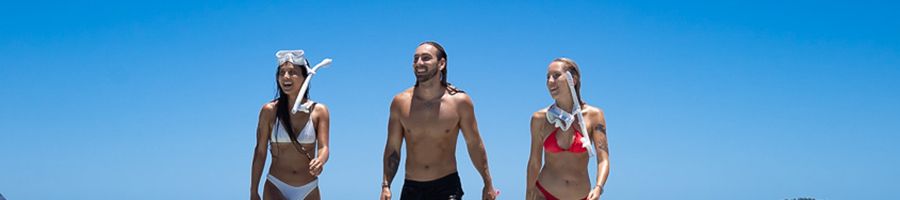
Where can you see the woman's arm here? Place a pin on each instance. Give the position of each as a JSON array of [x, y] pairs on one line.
[[598, 134], [263, 128], [535, 155], [322, 127]]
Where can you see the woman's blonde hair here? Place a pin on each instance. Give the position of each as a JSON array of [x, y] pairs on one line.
[[570, 66]]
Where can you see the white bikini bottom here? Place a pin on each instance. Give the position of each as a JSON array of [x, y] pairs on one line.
[[291, 192]]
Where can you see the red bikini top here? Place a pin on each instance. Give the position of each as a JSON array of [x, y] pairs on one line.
[[552, 146]]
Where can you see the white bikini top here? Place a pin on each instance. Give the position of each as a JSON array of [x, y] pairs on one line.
[[307, 134]]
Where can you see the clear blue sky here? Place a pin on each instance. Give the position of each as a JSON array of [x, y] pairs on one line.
[[704, 100]]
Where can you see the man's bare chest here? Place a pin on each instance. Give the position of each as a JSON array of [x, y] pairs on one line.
[[420, 119]]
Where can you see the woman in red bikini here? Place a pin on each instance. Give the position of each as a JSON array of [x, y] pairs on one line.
[[561, 146]]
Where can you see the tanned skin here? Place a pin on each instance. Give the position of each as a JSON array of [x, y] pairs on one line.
[[429, 117], [290, 165], [565, 175]]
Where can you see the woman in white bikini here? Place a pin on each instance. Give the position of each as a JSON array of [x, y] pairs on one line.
[[563, 137], [298, 140]]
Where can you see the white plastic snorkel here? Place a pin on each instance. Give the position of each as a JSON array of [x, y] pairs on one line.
[[296, 57], [586, 139], [563, 119], [312, 71]]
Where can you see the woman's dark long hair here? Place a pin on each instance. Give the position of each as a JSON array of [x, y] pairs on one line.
[[282, 107]]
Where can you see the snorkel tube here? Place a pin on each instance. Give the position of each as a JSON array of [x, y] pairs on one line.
[[310, 72], [586, 140]]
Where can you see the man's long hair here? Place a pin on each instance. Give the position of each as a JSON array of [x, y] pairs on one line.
[[441, 54]]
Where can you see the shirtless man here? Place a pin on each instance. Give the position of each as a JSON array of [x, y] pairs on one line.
[[429, 117]]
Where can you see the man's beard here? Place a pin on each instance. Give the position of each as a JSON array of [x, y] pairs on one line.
[[426, 77]]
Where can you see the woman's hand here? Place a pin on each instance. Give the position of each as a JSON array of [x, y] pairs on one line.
[[595, 193], [315, 167]]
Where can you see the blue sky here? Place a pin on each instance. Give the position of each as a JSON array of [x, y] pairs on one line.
[[704, 100]]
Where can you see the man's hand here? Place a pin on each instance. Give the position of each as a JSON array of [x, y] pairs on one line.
[[385, 193], [488, 193]]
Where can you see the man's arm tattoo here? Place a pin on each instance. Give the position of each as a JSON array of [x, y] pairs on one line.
[[391, 163]]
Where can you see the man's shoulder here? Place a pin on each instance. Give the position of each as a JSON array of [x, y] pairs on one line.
[[458, 97], [404, 95], [401, 99], [461, 101]]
